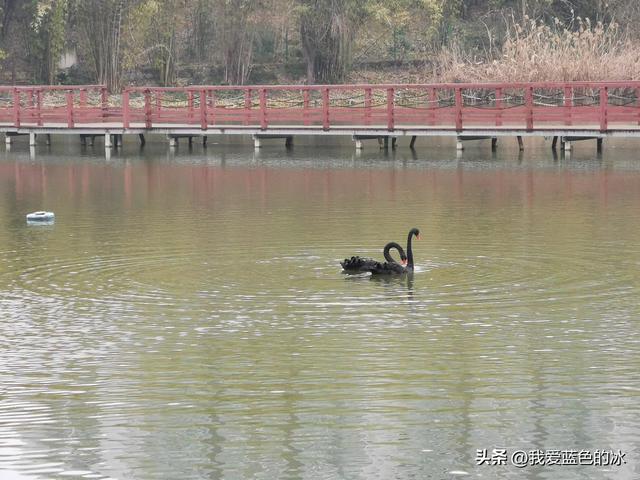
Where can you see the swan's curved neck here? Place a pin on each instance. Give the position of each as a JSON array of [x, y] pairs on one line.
[[409, 252], [387, 253]]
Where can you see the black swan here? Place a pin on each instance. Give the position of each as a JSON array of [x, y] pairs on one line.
[[360, 264], [392, 268]]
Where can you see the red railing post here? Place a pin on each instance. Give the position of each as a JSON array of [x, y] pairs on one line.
[[305, 107], [263, 108], [458, 108], [148, 121], [325, 108], [247, 106], [104, 101], [126, 118], [568, 102], [203, 109], [190, 105], [390, 109], [39, 107], [367, 106], [528, 95], [499, 106], [83, 97], [70, 109], [16, 107], [604, 102]]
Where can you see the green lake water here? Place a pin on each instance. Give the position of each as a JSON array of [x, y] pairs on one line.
[[186, 316]]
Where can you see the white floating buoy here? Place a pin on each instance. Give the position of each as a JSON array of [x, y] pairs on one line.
[[41, 217]]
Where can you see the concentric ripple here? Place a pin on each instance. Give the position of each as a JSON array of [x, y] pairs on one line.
[[187, 317]]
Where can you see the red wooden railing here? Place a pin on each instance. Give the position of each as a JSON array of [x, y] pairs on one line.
[[534, 106]]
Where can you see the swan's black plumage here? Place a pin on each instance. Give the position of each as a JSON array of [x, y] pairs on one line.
[[392, 268], [360, 264]]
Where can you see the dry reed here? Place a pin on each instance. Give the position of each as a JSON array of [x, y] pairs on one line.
[[533, 51]]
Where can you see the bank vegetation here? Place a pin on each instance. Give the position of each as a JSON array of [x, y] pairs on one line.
[[178, 42]]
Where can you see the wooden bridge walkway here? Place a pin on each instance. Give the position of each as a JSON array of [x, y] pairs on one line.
[[569, 111]]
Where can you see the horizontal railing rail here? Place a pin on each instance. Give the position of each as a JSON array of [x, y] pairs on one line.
[[602, 106]]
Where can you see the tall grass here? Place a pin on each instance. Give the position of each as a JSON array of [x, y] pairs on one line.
[[533, 51]]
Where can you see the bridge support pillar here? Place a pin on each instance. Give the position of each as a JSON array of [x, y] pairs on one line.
[[459, 146], [412, 144], [520, 143], [8, 139], [258, 137], [599, 145], [173, 142], [32, 139], [494, 144], [107, 141], [48, 141], [383, 140]]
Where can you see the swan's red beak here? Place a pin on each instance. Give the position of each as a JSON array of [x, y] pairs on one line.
[[418, 237]]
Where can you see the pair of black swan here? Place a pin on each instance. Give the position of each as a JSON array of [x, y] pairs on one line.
[[390, 267]]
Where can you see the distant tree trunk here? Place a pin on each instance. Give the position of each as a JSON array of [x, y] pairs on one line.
[[327, 33], [101, 22], [235, 36]]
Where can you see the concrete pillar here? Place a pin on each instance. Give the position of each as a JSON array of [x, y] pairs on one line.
[[520, 143], [173, 142], [7, 139], [459, 146], [48, 139], [494, 144], [32, 152], [394, 141], [599, 145], [257, 143], [288, 142], [32, 139], [412, 145], [359, 145], [567, 146], [107, 141]]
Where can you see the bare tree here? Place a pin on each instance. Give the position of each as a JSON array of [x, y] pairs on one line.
[[100, 21]]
